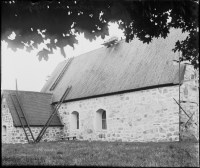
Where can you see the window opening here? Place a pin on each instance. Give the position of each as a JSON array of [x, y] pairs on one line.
[[74, 120], [4, 130], [104, 126]]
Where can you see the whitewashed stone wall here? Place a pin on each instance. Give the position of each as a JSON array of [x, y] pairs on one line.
[[148, 115], [190, 96], [17, 135]]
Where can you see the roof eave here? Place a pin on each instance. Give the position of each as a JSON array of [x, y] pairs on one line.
[[119, 92]]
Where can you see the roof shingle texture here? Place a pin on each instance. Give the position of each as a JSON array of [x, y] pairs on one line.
[[122, 67], [36, 107]]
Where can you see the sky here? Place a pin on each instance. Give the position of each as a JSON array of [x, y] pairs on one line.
[[31, 74]]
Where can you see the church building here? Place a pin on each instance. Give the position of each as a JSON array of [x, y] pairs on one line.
[[125, 92]]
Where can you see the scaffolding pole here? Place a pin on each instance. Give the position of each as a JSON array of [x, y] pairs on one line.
[[179, 95]]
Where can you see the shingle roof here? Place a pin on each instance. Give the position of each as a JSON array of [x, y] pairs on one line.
[[36, 106], [124, 66]]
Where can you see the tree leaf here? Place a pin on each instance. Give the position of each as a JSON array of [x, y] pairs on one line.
[[63, 51], [43, 54]]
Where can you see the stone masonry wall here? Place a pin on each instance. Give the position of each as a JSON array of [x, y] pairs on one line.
[[17, 135], [190, 104], [148, 115]]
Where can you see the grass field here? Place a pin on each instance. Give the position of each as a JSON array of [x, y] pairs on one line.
[[84, 153]]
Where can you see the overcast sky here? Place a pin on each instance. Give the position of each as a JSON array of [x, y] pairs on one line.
[[31, 73]]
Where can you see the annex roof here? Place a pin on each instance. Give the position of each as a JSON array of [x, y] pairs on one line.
[[36, 107], [124, 66]]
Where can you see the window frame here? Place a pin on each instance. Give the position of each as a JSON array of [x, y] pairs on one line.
[[74, 121], [77, 124], [100, 120], [104, 120]]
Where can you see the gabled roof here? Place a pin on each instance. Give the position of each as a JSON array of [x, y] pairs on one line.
[[36, 107], [124, 66]]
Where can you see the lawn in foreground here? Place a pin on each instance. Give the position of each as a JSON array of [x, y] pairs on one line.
[[84, 153]]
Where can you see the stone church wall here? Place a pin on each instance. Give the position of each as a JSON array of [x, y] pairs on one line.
[[147, 115], [17, 135]]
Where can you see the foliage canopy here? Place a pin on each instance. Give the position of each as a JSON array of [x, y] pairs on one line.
[[61, 19]]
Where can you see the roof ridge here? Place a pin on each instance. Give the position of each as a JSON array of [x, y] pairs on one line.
[[89, 52]]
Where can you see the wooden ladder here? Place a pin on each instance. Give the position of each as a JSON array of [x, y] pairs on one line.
[[40, 135], [61, 74], [22, 117]]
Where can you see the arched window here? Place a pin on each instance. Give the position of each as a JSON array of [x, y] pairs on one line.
[[104, 126], [101, 123], [74, 120], [4, 130]]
